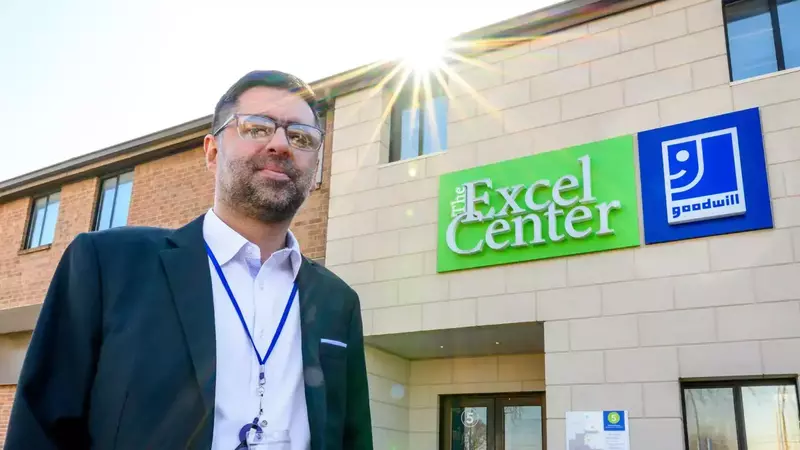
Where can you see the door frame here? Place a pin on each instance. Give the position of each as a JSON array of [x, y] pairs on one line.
[[494, 402]]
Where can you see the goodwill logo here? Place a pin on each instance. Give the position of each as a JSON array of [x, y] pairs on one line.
[[698, 189], [577, 200], [704, 177]]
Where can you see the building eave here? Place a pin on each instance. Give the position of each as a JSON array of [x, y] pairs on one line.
[[127, 154]]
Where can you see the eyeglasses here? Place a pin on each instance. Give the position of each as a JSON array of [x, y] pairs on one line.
[[260, 128]]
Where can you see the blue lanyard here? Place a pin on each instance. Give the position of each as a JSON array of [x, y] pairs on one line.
[[278, 331]]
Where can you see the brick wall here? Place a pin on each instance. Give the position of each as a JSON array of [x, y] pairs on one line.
[[25, 275], [171, 191], [311, 223], [168, 192], [6, 401]]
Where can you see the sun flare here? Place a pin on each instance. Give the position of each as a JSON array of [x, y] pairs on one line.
[[419, 71], [424, 56]]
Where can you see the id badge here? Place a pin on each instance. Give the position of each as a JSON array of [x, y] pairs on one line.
[[256, 439]]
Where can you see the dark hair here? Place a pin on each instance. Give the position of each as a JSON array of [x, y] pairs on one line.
[[268, 78]]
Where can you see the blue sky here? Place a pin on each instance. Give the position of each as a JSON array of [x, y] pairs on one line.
[[82, 75]]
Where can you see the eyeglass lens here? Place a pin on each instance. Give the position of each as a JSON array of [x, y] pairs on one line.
[[261, 128]]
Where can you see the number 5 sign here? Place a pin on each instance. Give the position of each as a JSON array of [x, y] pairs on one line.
[[469, 417]]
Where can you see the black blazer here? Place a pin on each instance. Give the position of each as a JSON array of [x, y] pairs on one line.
[[123, 355]]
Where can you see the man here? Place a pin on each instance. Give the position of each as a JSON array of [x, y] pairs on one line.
[[216, 335]]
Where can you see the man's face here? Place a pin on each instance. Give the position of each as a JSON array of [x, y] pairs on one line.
[[268, 179]]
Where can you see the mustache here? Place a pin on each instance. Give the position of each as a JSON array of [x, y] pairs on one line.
[[284, 164]]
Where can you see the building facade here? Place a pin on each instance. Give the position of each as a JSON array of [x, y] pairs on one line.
[[590, 233], [685, 326]]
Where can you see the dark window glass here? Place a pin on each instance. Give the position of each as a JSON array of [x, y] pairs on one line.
[[763, 36], [409, 132], [523, 428], [751, 415], [710, 419], [770, 417], [115, 201], [789, 24], [750, 39], [470, 428], [44, 217], [435, 126], [419, 120]]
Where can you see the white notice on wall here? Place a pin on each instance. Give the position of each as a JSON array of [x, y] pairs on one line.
[[597, 430]]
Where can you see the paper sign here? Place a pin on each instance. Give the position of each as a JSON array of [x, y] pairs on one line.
[[597, 430]]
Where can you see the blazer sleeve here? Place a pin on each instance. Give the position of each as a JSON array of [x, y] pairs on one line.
[[358, 423], [50, 409]]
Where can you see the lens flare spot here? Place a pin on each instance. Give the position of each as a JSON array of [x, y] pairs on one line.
[[398, 391]]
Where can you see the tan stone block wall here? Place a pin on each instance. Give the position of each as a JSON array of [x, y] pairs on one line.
[[389, 399], [626, 324], [492, 374]]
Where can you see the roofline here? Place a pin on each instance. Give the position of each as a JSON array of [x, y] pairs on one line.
[[148, 147], [566, 14]]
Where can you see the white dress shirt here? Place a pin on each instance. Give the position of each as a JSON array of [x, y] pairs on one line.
[[261, 290]]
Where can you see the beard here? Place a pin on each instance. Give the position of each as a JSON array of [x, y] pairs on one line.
[[265, 199]]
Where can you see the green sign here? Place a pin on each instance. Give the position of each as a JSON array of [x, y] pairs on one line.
[[577, 200]]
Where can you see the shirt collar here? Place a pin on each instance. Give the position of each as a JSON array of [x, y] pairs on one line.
[[226, 242]]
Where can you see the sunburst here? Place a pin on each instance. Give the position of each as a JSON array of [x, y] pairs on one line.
[[428, 68]]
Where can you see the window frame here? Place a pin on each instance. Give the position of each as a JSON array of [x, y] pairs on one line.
[[324, 121], [494, 402], [736, 386], [776, 36], [404, 97], [98, 207], [27, 241]]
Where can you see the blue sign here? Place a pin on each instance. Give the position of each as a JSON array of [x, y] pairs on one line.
[[704, 178], [613, 420]]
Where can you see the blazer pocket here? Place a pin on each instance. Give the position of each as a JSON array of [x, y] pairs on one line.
[[333, 358], [332, 342]]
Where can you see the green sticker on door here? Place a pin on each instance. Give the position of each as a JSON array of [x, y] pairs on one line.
[[576, 200]]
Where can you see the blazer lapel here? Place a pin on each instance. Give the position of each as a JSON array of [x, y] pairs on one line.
[[187, 269], [314, 379]]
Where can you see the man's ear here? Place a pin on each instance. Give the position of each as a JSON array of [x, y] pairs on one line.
[[211, 151]]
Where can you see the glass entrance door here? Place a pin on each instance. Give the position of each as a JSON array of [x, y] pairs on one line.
[[493, 422]]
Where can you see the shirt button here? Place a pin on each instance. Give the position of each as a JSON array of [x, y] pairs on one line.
[[261, 284]]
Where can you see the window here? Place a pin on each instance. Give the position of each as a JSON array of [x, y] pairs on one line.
[[763, 36], [492, 421], [419, 120], [743, 415], [42, 228], [324, 124], [115, 200], [320, 161]]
